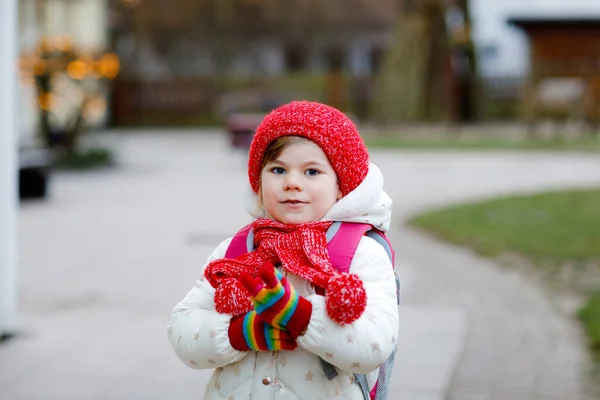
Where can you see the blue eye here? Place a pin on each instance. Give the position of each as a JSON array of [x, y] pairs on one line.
[[278, 171], [312, 172]]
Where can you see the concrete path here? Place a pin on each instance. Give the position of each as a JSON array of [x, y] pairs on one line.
[[104, 260], [517, 344]]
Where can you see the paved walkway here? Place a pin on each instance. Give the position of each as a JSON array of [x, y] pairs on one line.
[[104, 260]]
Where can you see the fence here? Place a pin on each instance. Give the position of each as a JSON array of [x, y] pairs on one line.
[[200, 101]]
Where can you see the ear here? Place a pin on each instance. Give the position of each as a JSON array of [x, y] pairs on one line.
[[339, 194]]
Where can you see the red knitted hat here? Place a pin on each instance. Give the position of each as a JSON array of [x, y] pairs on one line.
[[328, 127]]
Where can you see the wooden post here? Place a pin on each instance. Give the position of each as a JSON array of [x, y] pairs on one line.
[[530, 98]]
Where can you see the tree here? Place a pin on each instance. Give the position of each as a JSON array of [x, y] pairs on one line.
[[69, 88], [463, 76], [418, 81]]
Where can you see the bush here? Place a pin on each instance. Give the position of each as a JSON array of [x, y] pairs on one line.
[[85, 159], [589, 315]]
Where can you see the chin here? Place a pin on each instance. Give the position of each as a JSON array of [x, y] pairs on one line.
[[294, 220]]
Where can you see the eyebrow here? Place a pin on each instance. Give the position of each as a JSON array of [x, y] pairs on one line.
[[305, 164]]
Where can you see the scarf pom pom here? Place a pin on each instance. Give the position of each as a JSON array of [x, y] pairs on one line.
[[232, 298], [345, 298]]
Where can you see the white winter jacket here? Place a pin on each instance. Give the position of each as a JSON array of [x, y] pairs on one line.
[[199, 335]]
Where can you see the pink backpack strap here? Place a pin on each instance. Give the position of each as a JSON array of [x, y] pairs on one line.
[[239, 244], [344, 243]]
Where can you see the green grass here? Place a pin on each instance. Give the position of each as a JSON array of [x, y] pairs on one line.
[[452, 142], [88, 159], [558, 226], [552, 231], [590, 317]]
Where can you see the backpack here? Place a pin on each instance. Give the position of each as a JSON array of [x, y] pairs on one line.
[[342, 241]]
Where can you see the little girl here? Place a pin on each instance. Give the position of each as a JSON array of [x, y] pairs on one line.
[[267, 321]]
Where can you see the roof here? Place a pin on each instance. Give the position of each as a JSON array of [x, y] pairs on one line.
[[526, 22]]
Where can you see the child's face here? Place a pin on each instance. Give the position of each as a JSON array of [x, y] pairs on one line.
[[300, 185]]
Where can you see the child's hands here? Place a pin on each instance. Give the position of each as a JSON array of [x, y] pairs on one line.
[[276, 300], [250, 332]]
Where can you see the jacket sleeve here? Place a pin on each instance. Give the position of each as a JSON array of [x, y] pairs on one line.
[[364, 345], [197, 332]]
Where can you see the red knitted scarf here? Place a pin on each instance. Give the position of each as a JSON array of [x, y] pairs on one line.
[[302, 250]]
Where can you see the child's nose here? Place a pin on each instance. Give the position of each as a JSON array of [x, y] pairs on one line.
[[293, 182]]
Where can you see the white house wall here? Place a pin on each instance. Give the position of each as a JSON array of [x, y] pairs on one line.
[[28, 35], [84, 20], [28, 28], [89, 23]]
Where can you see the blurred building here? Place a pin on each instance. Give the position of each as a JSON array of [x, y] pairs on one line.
[[180, 56], [505, 58], [503, 50], [83, 20], [250, 37], [206, 48]]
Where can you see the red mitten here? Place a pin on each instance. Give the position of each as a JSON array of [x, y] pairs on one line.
[[250, 332], [276, 300]]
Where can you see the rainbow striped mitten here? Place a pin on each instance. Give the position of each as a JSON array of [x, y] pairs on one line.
[[276, 300], [250, 332]]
